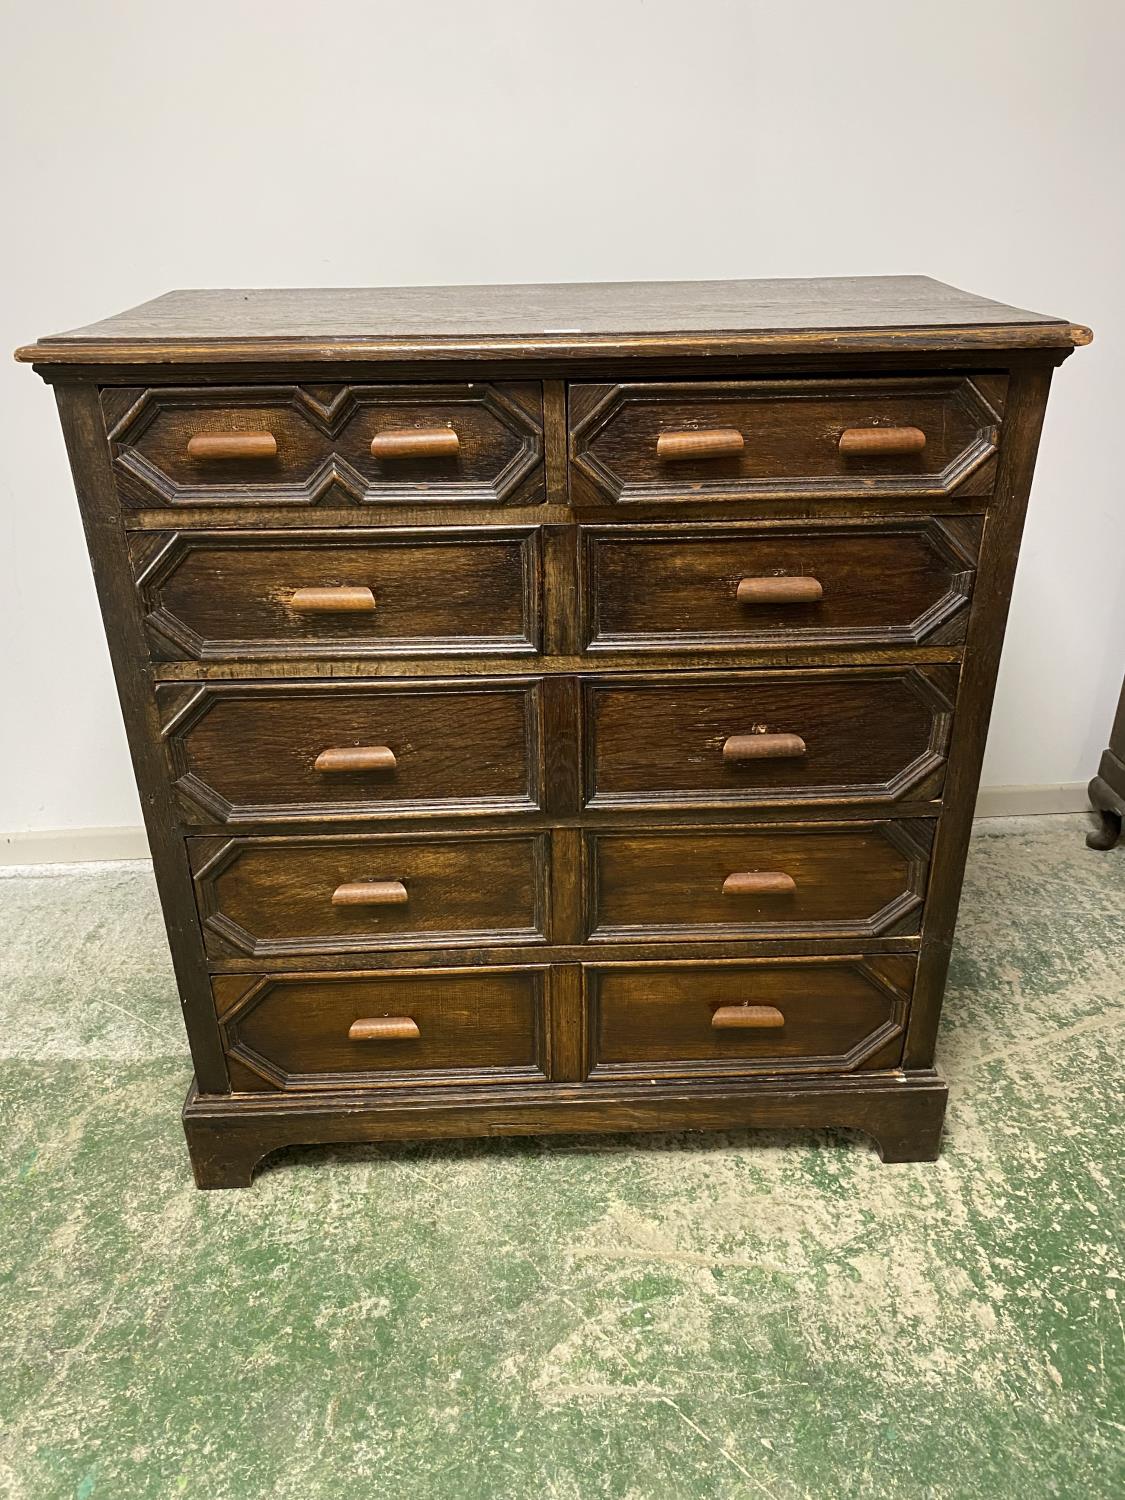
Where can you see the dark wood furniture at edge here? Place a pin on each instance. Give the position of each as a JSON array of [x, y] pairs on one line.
[[1107, 790], [557, 708]]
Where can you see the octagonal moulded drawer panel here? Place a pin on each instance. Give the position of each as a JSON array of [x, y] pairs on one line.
[[266, 897], [383, 1028], [901, 582], [469, 443], [242, 595], [244, 754], [768, 880], [834, 1014], [842, 735], [652, 443]]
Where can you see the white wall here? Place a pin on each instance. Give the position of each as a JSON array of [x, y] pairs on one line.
[[150, 146]]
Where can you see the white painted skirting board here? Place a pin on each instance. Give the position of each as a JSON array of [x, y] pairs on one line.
[[64, 846], [1029, 801]]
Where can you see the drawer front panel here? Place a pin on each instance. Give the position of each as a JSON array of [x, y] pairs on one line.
[[903, 582], [248, 753], [264, 897], [860, 880], [237, 596], [294, 1031], [836, 1014], [310, 445], [740, 440], [870, 734]]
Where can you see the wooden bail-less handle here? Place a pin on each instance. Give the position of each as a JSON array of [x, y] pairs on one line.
[[213, 446], [370, 893], [759, 883], [416, 442], [713, 442], [881, 441], [760, 1017], [341, 601], [780, 591], [357, 758], [383, 1029], [763, 747]]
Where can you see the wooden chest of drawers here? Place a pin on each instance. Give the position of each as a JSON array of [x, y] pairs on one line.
[[557, 708]]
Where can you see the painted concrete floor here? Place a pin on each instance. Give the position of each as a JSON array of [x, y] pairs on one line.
[[753, 1315]]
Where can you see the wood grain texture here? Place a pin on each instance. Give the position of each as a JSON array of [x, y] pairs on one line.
[[383, 1029], [371, 893], [894, 582], [759, 883], [701, 946], [830, 315], [227, 1139], [750, 1017], [792, 439], [334, 444], [831, 881], [549, 668], [247, 753], [348, 759], [881, 442], [871, 734], [416, 442], [550, 902], [717, 442], [335, 600], [742, 747], [985, 638], [293, 1031], [248, 595], [80, 416], [213, 447], [779, 590], [275, 897], [840, 1014]]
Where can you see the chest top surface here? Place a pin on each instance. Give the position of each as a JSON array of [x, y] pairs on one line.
[[853, 313]]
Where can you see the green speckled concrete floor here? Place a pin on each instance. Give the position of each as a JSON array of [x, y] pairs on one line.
[[649, 1320]]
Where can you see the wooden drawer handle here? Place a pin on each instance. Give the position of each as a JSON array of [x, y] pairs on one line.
[[212, 447], [370, 893], [759, 883], [341, 601], [357, 758], [383, 1029], [739, 747], [879, 442], [416, 442], [715, 442], [761, 1017], [780, 591]]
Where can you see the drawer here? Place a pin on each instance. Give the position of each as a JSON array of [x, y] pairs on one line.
[[468, 443], [843, 735], [237, 596], [387, 1027], [263, 897], [651, 443], [835, 1014], [251, 753], [900, 582], [780, 880]]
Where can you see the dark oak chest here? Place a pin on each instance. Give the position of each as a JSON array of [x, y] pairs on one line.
[[557, 708]]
